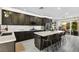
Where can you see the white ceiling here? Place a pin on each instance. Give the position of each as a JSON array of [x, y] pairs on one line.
[[55, 12]]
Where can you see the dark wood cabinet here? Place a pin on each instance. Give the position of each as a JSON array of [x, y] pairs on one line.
[[35, 20], [26, 20], [37, 42], [32, 20], [38, 21], [9, 18], [14, 18], [21, 19], [28, 35], [6, 17], [19, 36], [25, 35]]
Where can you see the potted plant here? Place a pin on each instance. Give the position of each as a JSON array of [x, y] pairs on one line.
[[74, 28]]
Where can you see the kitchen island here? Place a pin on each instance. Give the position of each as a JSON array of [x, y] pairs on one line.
[[7, 42], [39, 37]]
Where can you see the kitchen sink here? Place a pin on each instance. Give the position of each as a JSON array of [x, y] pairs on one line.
[[5, 34]]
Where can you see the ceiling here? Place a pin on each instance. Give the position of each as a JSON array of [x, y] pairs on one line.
[[54, 12]]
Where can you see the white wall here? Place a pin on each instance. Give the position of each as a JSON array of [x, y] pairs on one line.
[[21, 27]]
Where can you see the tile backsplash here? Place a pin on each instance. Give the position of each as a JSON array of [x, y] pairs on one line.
[[21, 27]]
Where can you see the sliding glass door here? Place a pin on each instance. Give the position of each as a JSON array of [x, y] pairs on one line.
[[71, 27]]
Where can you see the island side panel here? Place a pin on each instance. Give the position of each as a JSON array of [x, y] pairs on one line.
[[7, 47], [39, 41]]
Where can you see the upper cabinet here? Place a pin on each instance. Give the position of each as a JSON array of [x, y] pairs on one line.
[[10, 18], [38, 20], [14, 18], [26, 20], [6, 17], [32, 20], [21, 19]]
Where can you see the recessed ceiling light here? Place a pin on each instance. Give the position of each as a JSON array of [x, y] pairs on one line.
[[67, 13], [24, 9], [58, 8]]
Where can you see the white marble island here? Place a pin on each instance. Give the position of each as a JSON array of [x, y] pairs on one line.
[[7, 42], [47, 33], [39, 37]]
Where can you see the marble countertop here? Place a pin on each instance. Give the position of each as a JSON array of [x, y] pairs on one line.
[[7, 38], [47, 33], [20, 30]]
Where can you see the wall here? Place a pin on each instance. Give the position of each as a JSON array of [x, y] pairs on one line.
[[21, 27]]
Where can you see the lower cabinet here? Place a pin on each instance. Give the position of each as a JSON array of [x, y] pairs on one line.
[[38, 42], [28, 35], [25, 35], [20, 36]]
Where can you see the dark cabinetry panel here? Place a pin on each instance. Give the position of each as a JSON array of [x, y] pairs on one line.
[[38, 20], [32, 20], [10, 18], [20, 36], [26, 19], [13, 18], [28, 35], [35, 20], [25, 35], [21, 19], [6, 17]]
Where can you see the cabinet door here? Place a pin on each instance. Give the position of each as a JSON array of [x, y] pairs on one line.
[[32, 20], [6, 17], [28, 35], [21, 19], [44, 21], [19, 36], [27, 20], [15, 18], [36, 20], [39, 21], [37, 41]]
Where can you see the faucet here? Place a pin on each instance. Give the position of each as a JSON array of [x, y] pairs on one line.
[[6, 28]]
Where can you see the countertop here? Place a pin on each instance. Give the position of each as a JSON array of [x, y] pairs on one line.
[[22, 30], [47, 33], [7, 38]]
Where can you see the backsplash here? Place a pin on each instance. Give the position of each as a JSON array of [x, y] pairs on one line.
[[21, 27]]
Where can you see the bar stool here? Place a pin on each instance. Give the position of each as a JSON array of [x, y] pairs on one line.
[[50, 40], [57, 41], [54, 40], [45, 39], [63, 37]]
